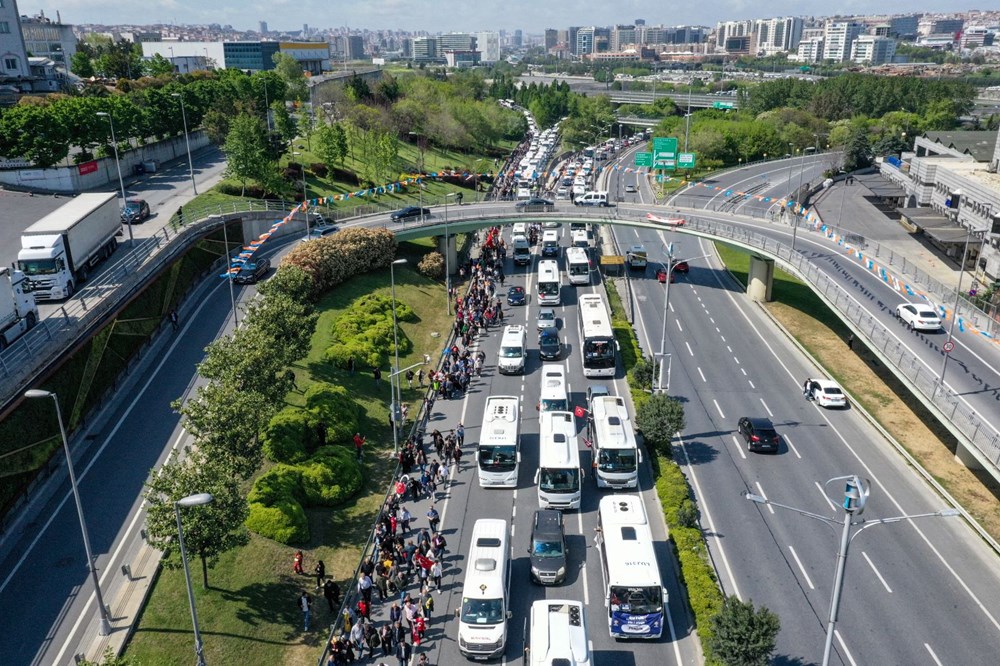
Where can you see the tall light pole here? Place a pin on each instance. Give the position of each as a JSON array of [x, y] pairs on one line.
[[200, 499], [396, 407], [420, 168], [795, 218], [671, 265], [118, 165], [229, 274], [954, 315], [687, 128], [855, 499], [447, 251], [105, 628], [305, 195], [187, 142]]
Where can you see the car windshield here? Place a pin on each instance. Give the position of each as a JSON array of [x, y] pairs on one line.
[[636, 600], [832, 390], [616, 460], [546, 316], [930, 314], [133, 207], [598, 349], [546, 548], [548, 341], [482, 611], [510, 352], [559, 480], [554, 405], [548, 288]]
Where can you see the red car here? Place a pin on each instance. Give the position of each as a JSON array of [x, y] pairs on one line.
[[681, 267], [661, 275]]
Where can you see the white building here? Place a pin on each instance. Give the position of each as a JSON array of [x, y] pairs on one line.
[[810, 50], [838, 39], [872, 50], [488, 45], [778, 35], [13, 54]]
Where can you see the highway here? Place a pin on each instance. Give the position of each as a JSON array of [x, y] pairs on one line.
[[921, 592]]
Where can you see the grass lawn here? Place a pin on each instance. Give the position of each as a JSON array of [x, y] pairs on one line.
[[872, 385], [249, 616]]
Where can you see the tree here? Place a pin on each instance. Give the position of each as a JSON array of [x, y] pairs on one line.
[[158, 65], [743, 635], [284, 124], [290, 71], [331, 144], [246, 150], [119, 60], [209, 530], [659, 419], [80, 64], [857, 151]]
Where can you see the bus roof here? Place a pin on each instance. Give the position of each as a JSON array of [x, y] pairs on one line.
[[557, 447], [500, 421], [628, 543], [595, 318]]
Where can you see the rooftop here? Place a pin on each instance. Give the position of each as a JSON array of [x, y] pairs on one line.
[[977, 143]]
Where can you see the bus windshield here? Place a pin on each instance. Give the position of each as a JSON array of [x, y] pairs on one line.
[[616, 460], [559, 480], [548, 288], [498, 458], [599, 349], [482, 611], [636, 600]]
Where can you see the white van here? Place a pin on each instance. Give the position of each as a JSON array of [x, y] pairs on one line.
[[579, 238], [558, 633], [522, 250], [513, 350], [519, 229], [550, 243], [482, 619], [559, 476], [554, 397], [592, 199]]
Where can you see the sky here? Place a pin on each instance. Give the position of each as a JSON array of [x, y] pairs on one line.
[[531, 16]]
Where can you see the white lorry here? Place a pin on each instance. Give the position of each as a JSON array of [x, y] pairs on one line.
[[58, 252], [635, 257], [18, 312]]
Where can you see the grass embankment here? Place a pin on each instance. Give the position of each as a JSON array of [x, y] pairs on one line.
[[679, 506], [875, 388], [249, 615]]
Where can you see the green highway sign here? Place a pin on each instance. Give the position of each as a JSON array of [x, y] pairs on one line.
[[722, 105], [644, 159], [686, 160], [665, 152]]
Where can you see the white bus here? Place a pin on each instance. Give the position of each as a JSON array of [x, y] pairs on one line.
[[482, 619], [599, 346], [559, 477], [633, 594], [548, 282], [578, 238], [558, 634], [615, 452], [554, 395], [577, 265], [498, 453]]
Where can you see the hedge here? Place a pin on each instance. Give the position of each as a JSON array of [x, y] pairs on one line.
[[333, 259], [294, 433], [365, 332]]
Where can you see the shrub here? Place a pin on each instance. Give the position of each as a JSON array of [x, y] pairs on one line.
[[288, 435], [319, 169], [332, 476], [432, 265], [659, 419], [285, 522], [365, 332], [643, 374], [333, 407], [332, 259], [274, 485]]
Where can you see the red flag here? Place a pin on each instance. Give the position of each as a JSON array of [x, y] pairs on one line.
[[423, 561], [579, 412]]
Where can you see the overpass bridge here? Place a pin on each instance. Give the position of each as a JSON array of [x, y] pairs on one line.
[[679, 98]]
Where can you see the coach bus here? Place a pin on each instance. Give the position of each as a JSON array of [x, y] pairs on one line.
[[599, 346], [498, 451], [577, 266]]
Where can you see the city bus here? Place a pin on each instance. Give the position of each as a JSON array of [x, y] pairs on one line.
[[559, 477], [554, 394], [482, 619], [615, 452], [599, 346], [558, 634], [498, 451], [577, 266], [633, 594], [548, 282]]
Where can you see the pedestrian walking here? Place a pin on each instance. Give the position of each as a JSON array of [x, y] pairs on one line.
[[332, 593], [173, 319], [434, 518], [403, 652], [409, 379], [850, 341], [297, 563], [377, 374], [436, 572], [359, 442], [420, 377], [180, 216], [460, 434], [305, 605], [365, 588], [357, 637], [320, 572], [405, 517]]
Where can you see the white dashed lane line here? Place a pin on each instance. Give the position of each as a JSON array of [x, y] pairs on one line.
[[689, 348], [802, 568], [877, 574], [766, 408], [760, 489], [796, 452], [739, 447], [702, 375], [721, 413]]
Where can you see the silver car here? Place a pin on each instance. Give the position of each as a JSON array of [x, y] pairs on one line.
[[546, 319]]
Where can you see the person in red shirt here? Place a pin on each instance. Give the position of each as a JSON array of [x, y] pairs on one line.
[[359, 442]]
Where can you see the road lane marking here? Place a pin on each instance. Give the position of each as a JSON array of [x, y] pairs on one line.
[[823, 493], [686, 344], [801, 568], [933, 656], [739, 447], [721, 413], [677, 321], [743, 371], [760, 489], [751, 384], [843, 646], [794, 450], [702, 375], [766, 408], [872, 565]]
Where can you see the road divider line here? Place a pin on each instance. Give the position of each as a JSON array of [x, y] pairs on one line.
[[766, 408], [721, 413], [801, 568], [795, 451], [677, 321], [843, 646], [823, 493], [702, 375], [688, 345], [751, 384], [760, 489], [933, 656], [739, 447], [872, 565]]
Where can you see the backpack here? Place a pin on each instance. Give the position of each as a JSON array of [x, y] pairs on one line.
[[429, 604]]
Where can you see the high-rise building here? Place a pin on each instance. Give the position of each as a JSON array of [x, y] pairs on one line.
[[778, 35], [262, 27], [424, 48], [640, 21], [621, 36], [355, 47], [456, 41], [584, 41], [14, 62], [904, 26], [873, 50], [838, 38], [810, 49], [551, 38], [947, 26], [571, 35], [518, 40], [488, 45]]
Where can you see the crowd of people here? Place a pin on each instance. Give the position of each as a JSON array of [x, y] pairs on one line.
[[505, 185]]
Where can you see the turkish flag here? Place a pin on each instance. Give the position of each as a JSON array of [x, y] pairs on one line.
[[579, 412], [423, 561]]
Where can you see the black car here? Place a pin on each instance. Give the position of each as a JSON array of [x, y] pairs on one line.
[[549, 345], [252, 271], [135, 211], [548, 548], [515, 296], [535, 205], [759, 434], [409, 213]]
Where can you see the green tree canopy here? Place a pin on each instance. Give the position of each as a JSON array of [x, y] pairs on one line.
[[291, 72], [743, 635], [659, 419], [246, 150]]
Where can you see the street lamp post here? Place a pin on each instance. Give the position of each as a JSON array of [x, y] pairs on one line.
[[420, 168], [855, 498], [105, 628], [118, 165], [396, 407], [229, 274], [954, 314], [187, 142], [305, 195], [687, 127], [671, 265], [200, 499], [795, 219], [447, 251]]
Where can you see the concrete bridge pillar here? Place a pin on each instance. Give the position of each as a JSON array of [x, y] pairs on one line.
[[760, 278], [452, 260]]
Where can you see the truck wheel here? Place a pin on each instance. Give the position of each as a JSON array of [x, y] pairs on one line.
[[30, 320], [3, 343], [69, 289]]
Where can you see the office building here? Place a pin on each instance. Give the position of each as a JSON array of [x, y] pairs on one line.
[[778, 35], [424, 48], [355, 47], [810, 50], [262, 27], [14, 59], [873, 50], [45, 38], [622, 36], [456, 41], [488, 45], [518, 40], [551, 38], [584, 41], [571, 34], [838, 39], [946, 26], [904, 27], [252, 56]]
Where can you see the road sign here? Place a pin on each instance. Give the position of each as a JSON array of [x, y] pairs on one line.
[[948, 346], [723, 105], [644, 159], [665, 153], [686, 160]]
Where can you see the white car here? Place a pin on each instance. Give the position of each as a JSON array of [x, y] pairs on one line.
[[826, 393], [918, 317], [546, 319], [630, 189]]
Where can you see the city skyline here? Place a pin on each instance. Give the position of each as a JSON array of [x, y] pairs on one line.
[[531, 17]]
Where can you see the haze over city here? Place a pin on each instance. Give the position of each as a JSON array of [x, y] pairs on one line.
[[439, 15]]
